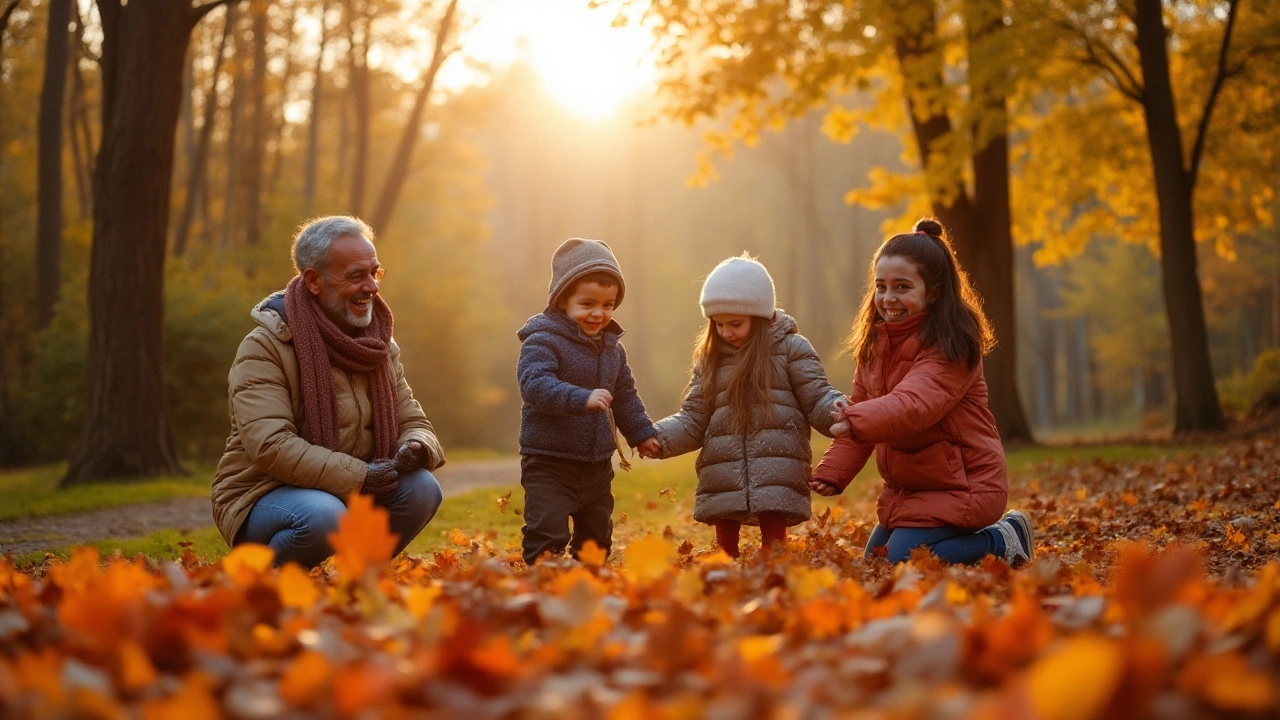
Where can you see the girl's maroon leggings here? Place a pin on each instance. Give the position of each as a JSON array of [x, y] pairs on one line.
[[773, 531]]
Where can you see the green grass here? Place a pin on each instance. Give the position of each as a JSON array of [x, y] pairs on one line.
[[34, 491], [639, 496]]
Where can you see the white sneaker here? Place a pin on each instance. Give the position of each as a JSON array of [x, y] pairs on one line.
[[1015, 553]]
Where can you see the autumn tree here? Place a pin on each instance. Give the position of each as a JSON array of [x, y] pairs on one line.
[[126, 425], [1147, 116], [763, 63]]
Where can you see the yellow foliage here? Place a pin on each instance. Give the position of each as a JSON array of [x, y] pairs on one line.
[[1076, 681]]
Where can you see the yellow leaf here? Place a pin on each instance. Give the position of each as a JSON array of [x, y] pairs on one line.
[[591, 554], [689, 587], [1076, 681], [458, 538], [756, 647], [247, 562], [649, 558], [418, 599], [296, 588], [805, 583], [363, 539]]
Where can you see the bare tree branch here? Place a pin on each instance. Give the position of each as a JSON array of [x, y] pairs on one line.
[[1114, 69], [1202, 130], [198, 12]]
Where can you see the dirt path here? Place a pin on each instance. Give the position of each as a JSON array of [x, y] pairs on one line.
[[42, 533]]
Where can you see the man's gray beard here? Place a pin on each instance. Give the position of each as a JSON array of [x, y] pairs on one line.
[[338, 308]]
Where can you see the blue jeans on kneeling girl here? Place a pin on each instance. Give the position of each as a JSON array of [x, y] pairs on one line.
[[959, 546], [295, 522]]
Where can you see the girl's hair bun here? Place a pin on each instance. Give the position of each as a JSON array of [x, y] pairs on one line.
[[929, 226]]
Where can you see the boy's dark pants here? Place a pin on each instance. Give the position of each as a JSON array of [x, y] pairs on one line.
[[556, 489]]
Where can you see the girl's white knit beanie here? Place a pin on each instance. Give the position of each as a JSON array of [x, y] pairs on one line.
[[738, 286]]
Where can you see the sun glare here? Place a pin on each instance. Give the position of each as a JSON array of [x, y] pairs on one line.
[[586, 65]]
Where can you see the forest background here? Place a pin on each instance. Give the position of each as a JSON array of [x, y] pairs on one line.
[[766, 136]]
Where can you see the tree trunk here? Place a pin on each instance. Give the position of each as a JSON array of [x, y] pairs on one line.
[[7, 13], [987, 255], [399, 170], [313, 126], [1196, 406], [229, 205], [126, 432], [49, 166], [200, 158], [256, 158], [278, 109], [359, 82], [79, 125]]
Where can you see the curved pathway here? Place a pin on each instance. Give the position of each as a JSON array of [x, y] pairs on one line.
[[24, 535]]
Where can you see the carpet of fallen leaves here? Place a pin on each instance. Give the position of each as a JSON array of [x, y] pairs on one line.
[[1154, 594]]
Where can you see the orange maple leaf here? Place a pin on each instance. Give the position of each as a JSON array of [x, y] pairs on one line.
[[592, 554], [364, 538]]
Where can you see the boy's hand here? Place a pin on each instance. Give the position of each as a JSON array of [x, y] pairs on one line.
[[599, 399], [650, 448], [822, 487]]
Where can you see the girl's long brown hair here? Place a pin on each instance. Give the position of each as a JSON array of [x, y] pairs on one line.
[[751, 382], [956, 325]]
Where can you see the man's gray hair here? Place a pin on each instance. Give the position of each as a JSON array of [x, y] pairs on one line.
[[311, 244]]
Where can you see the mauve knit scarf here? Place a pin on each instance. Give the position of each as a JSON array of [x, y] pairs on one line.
[[319, 344]]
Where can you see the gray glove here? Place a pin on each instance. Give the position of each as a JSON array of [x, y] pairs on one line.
[[410, 458], [381, 479]]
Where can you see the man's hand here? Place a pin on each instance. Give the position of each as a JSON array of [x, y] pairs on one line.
[[411, 456], [822, 487], [650, 448], [599, 399], [381, 479]]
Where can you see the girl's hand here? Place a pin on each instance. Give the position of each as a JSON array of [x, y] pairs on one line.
[[824, 488], [841, 428], [599, 399], [650, 448]]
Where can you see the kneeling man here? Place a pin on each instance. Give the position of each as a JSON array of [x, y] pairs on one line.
[[320, 408]]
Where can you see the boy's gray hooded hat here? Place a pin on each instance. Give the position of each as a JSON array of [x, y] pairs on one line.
[[577, 257]]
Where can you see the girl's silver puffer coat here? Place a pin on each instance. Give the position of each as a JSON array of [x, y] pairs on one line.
[[769, 469]]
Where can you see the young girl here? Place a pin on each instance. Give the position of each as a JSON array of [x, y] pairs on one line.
[[757, 386], [920, 402]]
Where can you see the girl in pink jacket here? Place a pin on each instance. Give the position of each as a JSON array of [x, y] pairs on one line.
[[919, 402]]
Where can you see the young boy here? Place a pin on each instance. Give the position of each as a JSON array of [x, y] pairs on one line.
[[572, 371]]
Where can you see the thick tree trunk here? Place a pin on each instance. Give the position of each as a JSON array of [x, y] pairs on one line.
[[79, 126], [1196, 406], [399, 170], [126, 432], [984, 244], [234, 109], [200, 158], [49, 166]]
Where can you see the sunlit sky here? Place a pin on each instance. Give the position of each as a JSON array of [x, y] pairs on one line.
[[586, 65]]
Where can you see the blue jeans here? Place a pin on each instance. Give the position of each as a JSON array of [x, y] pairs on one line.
[[295, 522], [955, 545]]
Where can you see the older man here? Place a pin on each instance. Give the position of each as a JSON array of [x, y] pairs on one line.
[[320, 407]]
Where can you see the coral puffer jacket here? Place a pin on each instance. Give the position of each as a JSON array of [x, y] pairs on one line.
[[936, 443]]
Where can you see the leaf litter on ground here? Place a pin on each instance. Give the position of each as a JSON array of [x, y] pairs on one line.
[[1155, 593]]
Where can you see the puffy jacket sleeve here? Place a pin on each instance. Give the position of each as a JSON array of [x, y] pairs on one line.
[[846, 456], [684, 431], [540, 384], [929, 390], [809, 383], [414, 424], [263, 411], [628, 408]]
